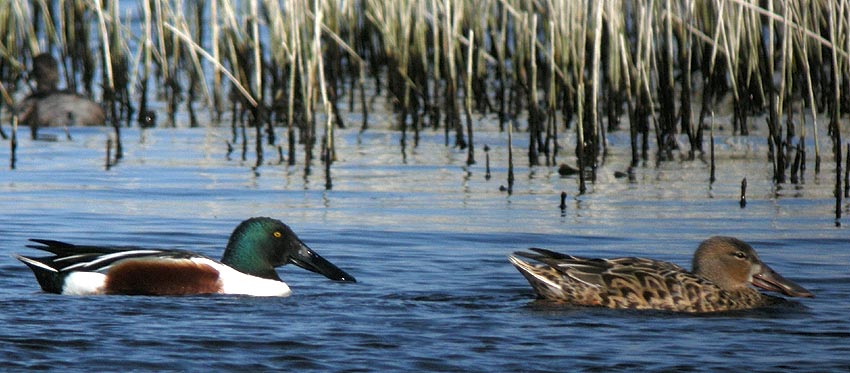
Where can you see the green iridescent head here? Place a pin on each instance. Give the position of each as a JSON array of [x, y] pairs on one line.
[[258, 245]]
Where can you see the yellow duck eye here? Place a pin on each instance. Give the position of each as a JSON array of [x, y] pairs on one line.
[[277, 234]]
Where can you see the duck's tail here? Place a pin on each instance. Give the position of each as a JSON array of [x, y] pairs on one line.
[[543, 279], [48, 278]]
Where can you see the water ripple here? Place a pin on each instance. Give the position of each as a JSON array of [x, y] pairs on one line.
[[428, 243]]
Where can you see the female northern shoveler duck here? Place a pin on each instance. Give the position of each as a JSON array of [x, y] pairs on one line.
[[49, 106], [255, 248], [723, 269]]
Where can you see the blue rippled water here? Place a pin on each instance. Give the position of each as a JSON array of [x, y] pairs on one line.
[[428, 242]]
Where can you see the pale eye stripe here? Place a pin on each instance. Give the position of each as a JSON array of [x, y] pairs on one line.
[[109, 257]]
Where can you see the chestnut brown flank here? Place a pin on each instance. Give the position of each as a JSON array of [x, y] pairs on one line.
[[162, 277]]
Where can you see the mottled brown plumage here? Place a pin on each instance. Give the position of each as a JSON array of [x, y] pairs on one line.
[[723, 270]]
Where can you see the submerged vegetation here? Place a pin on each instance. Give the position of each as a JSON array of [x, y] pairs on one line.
[[541, 66]]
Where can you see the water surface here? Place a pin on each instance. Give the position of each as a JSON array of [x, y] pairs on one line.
[[427, 238]]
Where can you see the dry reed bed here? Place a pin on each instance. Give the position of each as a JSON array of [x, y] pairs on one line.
[[577, 65]]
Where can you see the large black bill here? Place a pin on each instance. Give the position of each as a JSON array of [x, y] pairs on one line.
[[309, 260]]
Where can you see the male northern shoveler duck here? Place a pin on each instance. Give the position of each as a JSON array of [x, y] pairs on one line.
[[49, 106], [255, 248], [723, 269]]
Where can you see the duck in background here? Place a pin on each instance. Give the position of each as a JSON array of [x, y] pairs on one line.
[[52, 107]]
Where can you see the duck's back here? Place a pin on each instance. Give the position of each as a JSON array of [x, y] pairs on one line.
[[59, 108]]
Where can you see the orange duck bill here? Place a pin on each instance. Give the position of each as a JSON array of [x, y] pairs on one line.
[[769, 280]]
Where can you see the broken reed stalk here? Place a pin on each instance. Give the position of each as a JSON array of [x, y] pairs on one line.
[[581, 152], [119, 149], [307, 69], [216, 54], [712, 178], [551, 104], [108, 161], [766, 52], [487, 162], [510, 157], [533, 117], [666, 88], [847, 173], [296, 85], [110, 88], [685, 55], [452, 27], [633, 129], [836, 138], [813, 105], [783, 94], [146, 46], [595, 90], [835, 111], [290, 116], [258, 136], [101, 22], [838, 194], [500, 46], [258, 62], [244, 131], [320, 66], [563, 204], [258, 114], [13, 143], [435, 69], [470, 150], [329, 141]]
